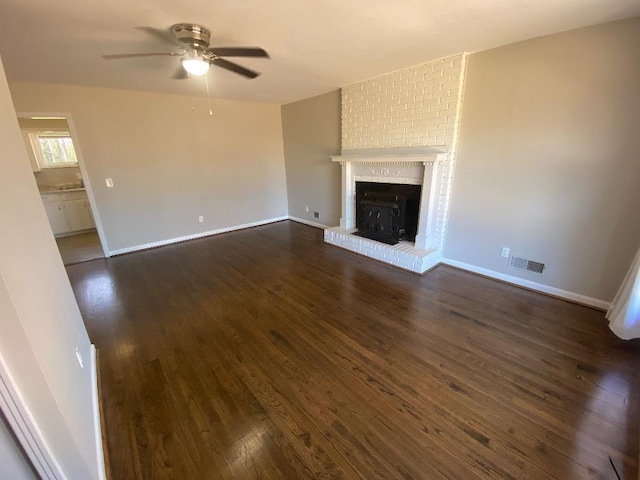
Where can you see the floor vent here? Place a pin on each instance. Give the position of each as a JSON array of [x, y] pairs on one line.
[[528, 265]]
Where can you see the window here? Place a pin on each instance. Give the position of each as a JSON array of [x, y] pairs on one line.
[[53, 149]]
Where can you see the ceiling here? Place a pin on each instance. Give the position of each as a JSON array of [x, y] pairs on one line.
[[315, 45]]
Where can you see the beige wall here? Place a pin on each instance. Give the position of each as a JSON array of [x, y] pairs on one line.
[[170, 165], [40, 323], [311, 131], [549, 158]]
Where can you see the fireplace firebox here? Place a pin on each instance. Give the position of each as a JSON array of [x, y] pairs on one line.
[[387, 212]]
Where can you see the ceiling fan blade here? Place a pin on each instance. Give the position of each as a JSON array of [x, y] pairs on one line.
[[239, 52], [162, 34], [233, 67], [135, 55], [180, 74]]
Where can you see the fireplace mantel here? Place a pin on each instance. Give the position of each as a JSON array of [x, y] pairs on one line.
[[418, 168], [393, 155], [387, 159]]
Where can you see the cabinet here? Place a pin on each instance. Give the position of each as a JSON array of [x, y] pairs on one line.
[[55, 213], [78, 214], [68, 212]]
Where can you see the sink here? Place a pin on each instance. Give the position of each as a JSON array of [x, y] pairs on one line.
[[67, 186]]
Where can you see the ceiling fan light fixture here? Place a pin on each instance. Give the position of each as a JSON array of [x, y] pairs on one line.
[[195, 64], [196, 54]]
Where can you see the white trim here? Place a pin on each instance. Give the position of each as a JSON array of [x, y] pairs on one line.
[[521, 282], [97, 424], [308, 222], [25, 428], [145, 246], [81, 165], [387, 159]]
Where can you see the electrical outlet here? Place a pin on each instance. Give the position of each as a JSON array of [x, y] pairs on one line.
[[201, 219], [505, 252], [109, 182], [316, 214], [79, 357], [306, 207]]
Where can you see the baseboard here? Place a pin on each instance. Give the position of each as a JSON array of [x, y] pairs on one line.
[[146, 246], [308, 222], [97, 424], [76, 232], [538, 287]]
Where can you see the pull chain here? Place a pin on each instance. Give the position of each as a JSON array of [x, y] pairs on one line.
[[206, 82], [193, 107]]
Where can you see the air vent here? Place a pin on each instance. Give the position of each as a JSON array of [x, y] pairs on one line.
[[528, 265]]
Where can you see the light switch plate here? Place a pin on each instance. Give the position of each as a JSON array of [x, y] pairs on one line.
[[109, 182]]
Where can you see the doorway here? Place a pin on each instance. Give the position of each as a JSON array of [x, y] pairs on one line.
[[65, 191]]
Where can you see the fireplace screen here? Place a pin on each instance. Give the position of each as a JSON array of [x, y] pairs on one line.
[[387, 212]]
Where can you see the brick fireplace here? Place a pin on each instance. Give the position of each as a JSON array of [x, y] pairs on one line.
[[402, 128], [422, 169]]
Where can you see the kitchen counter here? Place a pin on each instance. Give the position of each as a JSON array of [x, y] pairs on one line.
[[45, 190]]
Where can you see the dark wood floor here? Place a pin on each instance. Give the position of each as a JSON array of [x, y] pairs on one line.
[[267, 354]]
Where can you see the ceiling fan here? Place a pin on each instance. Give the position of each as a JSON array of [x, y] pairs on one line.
[[196, 53]]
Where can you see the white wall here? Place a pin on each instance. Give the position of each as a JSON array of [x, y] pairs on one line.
[[413, 107], [549, 159], [170, 164], [40, 323]]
